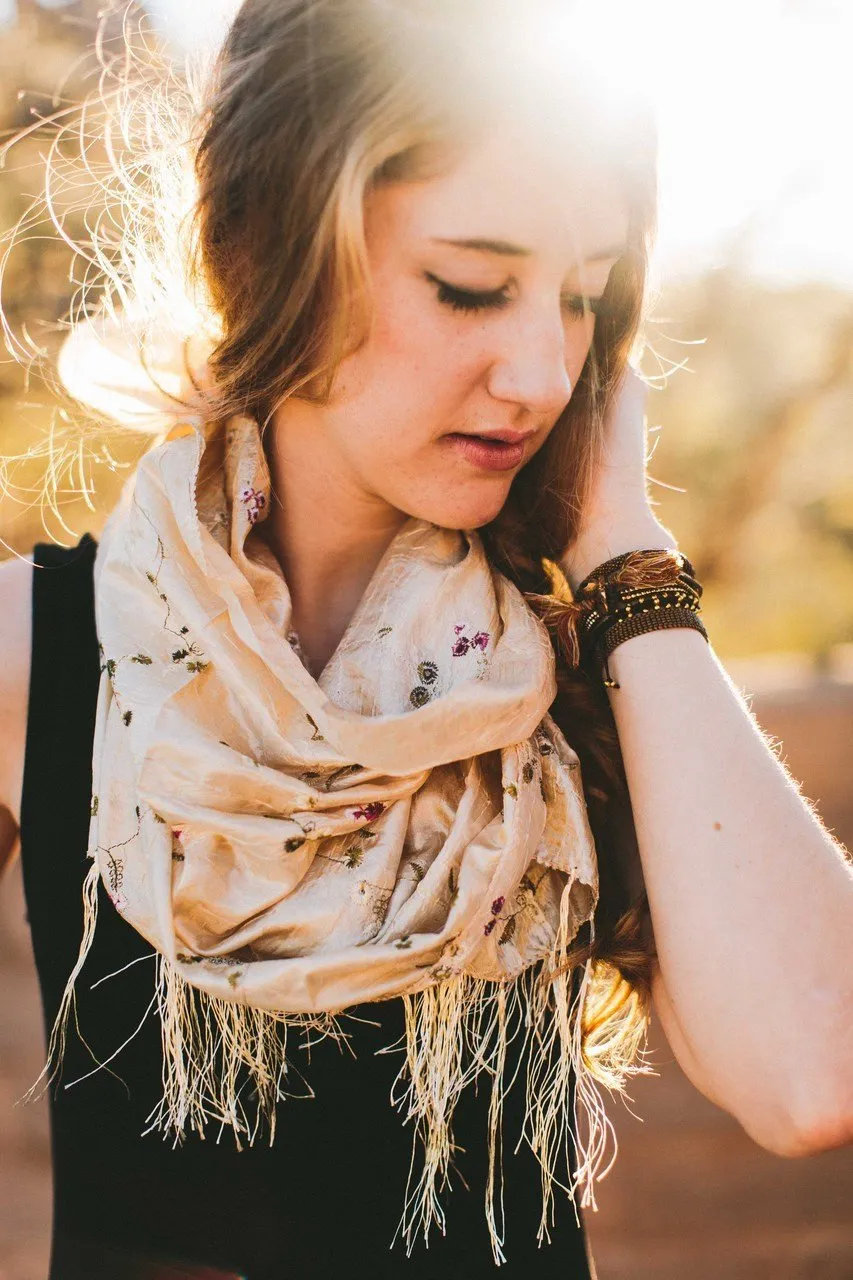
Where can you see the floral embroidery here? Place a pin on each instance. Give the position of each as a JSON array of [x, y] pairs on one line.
[[378, 896], [496, 909], [316, 736], [189, 653], [462, 643], [326, 781], [368, 812], [354, 852], [115, 867], [254, 500], [444, 967], [428, 674]]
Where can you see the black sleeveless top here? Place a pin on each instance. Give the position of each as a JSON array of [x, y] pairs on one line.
[[325, 1199]]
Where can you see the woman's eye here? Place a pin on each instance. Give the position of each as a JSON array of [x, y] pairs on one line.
[[467, 299], [579, 305]]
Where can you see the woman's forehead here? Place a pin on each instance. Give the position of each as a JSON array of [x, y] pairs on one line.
[[541, 196]]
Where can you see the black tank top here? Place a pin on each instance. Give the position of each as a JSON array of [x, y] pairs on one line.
[[325, 1199]]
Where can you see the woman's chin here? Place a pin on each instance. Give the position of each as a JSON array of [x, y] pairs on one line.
[[463, 514]]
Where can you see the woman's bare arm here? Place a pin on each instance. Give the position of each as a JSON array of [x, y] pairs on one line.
[[16, 576], [751, 897]]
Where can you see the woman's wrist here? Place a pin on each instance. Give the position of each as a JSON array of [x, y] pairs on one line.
[[602, 540]]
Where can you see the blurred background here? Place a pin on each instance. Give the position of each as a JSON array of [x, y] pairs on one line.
[[752, 341]]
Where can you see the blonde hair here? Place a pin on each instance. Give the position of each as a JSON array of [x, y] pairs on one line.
[[230, 208]]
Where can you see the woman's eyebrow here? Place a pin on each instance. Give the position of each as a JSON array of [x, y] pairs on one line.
[[508, 250]]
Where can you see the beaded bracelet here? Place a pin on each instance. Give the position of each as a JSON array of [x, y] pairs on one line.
[[617, 609]]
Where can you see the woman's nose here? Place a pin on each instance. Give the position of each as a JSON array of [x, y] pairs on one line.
[[531, 368]]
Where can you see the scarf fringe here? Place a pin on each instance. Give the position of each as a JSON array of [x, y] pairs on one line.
[[59, 1031], [454, 1030], [571, 1046]]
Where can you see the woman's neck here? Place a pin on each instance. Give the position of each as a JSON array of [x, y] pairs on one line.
[[326, 532]]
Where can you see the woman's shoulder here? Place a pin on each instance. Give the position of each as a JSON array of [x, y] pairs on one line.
[[16, 578]]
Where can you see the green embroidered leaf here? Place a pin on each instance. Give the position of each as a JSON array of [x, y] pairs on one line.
[[316, 736], [94, 808], [127, 717], [383, 631], [403, 943], [141, 658], [508, 933], [527, 772], [511, 790]]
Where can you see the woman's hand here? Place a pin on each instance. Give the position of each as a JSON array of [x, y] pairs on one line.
[[619, 516]]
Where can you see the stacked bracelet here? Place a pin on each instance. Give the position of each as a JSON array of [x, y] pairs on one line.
[[634, 593]]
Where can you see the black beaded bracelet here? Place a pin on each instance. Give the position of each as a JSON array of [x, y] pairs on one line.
[[618, 611]]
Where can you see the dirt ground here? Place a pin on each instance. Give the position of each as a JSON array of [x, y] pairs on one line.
[[690, 1194]]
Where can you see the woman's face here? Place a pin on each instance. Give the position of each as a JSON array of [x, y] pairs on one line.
[[479, 327]]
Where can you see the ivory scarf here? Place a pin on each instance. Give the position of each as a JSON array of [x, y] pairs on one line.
[[410, 824]]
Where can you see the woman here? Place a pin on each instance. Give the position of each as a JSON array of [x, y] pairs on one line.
[[340, 744]]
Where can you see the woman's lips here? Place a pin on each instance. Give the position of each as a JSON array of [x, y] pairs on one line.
[[490, 455]]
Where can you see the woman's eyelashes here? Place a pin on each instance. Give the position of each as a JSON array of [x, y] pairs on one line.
[[469, 300]]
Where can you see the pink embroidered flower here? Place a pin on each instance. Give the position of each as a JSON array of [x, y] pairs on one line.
[[463, 643], [369, 812], [254, 500], [490, 926], [498, 905]]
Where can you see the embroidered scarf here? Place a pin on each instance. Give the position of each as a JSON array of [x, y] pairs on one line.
[[410, 824]]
